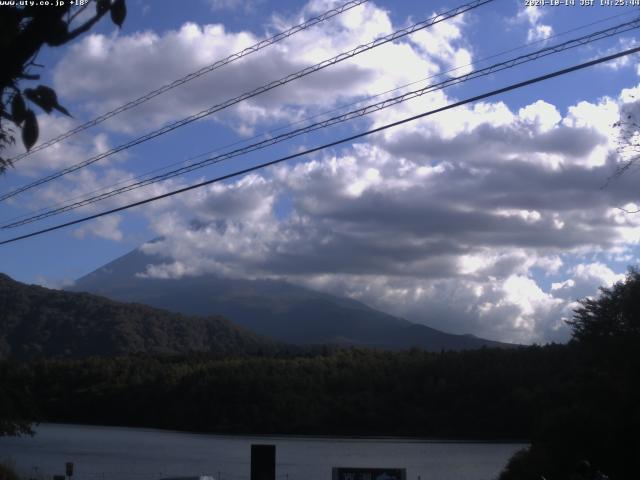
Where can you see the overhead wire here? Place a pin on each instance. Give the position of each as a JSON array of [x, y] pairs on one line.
[[351, 138], [193, 75], [366, 110], [265, 88], [341, 107]]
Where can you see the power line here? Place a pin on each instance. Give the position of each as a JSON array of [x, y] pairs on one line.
[[265, 88], [271, 132], [584, 40], [191, 76], [476, 98]]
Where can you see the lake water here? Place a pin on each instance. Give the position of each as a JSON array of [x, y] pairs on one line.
[[145, 454]]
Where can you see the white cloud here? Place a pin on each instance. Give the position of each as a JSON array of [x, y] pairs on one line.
[[443, 221], [109, 79], [441, 42], [60, 155], [532, 16], [539, 32], [541, 114], [103, 227], [453, 244], [585, 279], [623, 43], [439, 222]]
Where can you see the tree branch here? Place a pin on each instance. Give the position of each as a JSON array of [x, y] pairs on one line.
[[85, 27]]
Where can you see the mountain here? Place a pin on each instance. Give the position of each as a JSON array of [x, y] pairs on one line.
[[37, 322], [276, 309]]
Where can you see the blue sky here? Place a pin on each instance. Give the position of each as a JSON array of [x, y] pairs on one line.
[[486, 219]]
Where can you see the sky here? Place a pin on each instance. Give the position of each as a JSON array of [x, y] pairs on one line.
[[493, 218]]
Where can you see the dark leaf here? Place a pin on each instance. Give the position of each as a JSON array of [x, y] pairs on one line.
[[61, 109], [57, 33], [18, 108], [45, 98], [34, 96], [31, 95], [118, 12], [30, 130], [48, 93], [102, 6]]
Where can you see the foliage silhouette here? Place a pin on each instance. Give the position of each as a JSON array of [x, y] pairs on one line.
[[24, 30], [616, 313], [601, 421]]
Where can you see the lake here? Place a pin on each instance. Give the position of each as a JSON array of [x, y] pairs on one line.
[[146, 454]]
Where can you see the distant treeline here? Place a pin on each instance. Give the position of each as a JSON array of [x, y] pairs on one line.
[[579, 399], [477, 394]]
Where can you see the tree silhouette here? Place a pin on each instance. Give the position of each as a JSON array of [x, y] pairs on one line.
[[24, 30], [628, 147], [616, 313]]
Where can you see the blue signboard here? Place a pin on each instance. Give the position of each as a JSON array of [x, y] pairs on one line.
[[340, 473]]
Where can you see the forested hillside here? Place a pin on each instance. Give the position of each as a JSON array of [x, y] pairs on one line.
[[37, 323]]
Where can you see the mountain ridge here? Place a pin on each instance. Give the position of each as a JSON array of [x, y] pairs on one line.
[[273, 308]]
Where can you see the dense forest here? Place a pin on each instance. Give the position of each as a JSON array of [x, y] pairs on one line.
[[572, 402], [478, 394], [575, 399]]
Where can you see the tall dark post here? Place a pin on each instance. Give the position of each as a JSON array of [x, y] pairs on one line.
[[263, 462]]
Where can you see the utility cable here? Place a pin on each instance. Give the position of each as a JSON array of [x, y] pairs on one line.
[[586, 39], [476, 98], [265, 88], [273, 131], [191, 76]]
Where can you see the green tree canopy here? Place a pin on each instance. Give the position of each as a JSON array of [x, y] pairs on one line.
[[615, 313]]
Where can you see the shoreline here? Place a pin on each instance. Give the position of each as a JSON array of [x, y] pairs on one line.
[[293, 436]]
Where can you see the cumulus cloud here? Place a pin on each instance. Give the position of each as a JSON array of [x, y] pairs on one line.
[[537, 30], [623, 43], [424, 224], [444, 221], [109, 79], [104, 227], [62, 154], [585, 280]]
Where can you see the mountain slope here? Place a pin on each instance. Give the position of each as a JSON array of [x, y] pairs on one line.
[[37, 322], [276, 309]]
